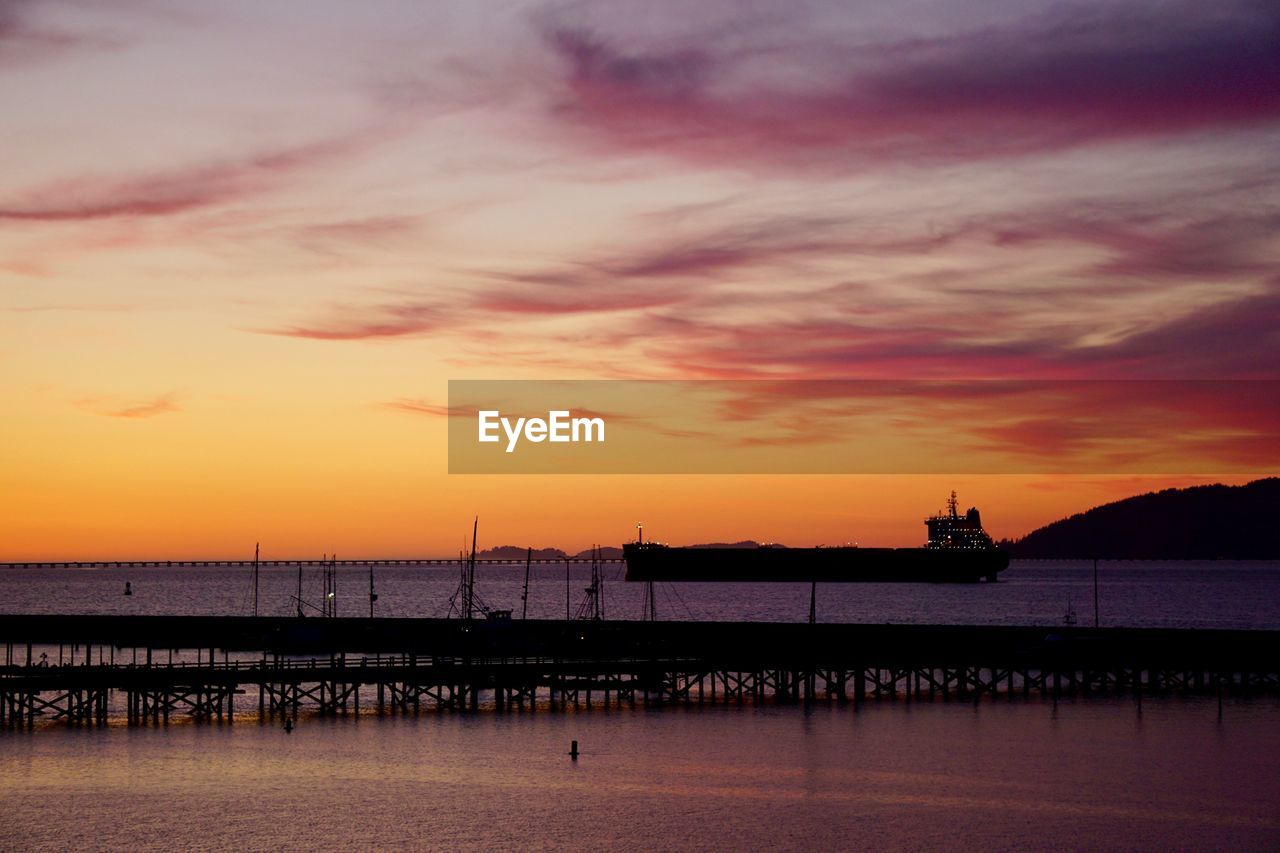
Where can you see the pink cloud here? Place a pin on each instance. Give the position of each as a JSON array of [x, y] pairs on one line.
[[178, 191], [363, 323]]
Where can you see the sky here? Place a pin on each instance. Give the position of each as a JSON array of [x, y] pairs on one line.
[[244, 246]]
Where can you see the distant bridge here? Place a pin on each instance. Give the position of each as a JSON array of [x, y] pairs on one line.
[[317, 562]]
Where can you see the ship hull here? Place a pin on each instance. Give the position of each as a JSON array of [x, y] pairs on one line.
[[839, 565]]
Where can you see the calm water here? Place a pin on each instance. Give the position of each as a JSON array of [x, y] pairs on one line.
[[1189, 594], [891, 775], [1003, 774]]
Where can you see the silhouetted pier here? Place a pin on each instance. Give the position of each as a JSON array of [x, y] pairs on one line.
[[281, 665]]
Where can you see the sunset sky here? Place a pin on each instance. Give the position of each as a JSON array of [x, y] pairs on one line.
[[245, 245]]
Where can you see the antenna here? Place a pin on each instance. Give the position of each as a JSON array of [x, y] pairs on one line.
[[256, 545]]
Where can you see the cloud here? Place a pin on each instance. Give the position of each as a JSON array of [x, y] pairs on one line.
[[1236, 339], [114, 407], [423, 407], [370, 322], [178, 191], [1070, 76], [338, 236], [1107, 424], [25, 38], [709, 304]]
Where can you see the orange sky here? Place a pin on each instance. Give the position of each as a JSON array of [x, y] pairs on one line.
[[244, 247]]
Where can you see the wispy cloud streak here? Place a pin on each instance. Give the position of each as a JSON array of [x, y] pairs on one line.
[[114, 407], [177, 191]]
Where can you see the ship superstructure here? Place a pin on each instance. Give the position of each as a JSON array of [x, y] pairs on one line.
[[953, 531]]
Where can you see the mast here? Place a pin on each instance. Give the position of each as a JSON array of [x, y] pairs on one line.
[[470, 594], [298, 597], [524, 597], [600, 580], [592, 606], [327, 581], [373, 596]]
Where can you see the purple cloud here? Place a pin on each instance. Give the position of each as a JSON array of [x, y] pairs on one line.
[[1068, 77]]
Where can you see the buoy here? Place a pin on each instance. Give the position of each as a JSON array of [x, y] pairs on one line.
[[573, 750], [128, 588]]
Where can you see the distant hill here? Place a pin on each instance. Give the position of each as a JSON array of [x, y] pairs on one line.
[[1197, 523], [745, 543], [606, 553], [516, 552]]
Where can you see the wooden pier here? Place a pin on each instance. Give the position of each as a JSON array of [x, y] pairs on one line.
[[118, 667]]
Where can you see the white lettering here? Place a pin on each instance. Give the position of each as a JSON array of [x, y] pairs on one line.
[[513, 435], [559, 423], [559, 427], [588, 425], [487, 424]]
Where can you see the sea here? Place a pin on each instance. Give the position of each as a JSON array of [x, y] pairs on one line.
[[1210, 594], [1004, 773]]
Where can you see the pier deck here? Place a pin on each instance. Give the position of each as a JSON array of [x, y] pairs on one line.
[[286, 665]]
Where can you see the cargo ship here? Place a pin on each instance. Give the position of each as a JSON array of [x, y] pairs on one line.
[[958, 551]]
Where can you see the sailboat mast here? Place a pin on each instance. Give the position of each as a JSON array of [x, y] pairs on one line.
[[524, 598], [469, 597]]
